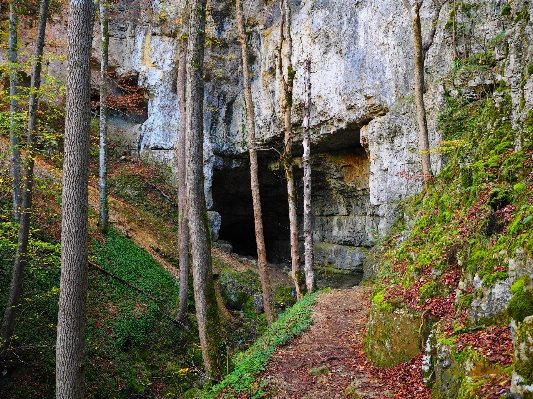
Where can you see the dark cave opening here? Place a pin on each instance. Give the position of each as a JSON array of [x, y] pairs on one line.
[[340, 201], [233, 200]]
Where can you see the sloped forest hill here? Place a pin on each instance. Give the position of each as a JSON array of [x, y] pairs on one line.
[[133, 345]]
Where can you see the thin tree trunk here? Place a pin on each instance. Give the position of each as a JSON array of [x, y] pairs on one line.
[[287, 85], [15, 290], [102, 176], [183, 228], [258, 218], [204, 289], [70, 347], [419, 56], [308, 215], [13, 108], [454, 32]]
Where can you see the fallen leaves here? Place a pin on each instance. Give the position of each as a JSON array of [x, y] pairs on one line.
[[495, 344]]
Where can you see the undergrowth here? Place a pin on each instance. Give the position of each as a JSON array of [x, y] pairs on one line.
[[456, 238]]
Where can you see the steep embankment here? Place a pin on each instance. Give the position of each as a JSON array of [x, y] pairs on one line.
[[133, 345], [454, 277]]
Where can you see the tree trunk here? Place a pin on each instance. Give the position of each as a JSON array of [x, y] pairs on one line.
[[419, 56], [258, 218], [102, 176], [71, 322], [287, 85], [454, 33], [204, 290], [15, 290], [183, 228], [419, 97], [13, 107], [308, 215]]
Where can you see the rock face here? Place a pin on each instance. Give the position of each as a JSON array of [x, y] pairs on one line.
[[386, 346], [364, 133], [363, 116], [364, 137]]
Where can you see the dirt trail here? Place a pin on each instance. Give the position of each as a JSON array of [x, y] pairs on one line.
[[335, 341]]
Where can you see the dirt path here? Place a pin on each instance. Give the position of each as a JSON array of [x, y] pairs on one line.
[[335, 341]]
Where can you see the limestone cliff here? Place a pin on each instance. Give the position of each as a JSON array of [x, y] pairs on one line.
[[365, 139]]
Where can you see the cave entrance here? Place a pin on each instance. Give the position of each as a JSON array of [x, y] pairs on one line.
[[232, 198], [343, 218]]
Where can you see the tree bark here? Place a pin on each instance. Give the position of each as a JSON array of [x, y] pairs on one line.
[[308, 214], [15, 290], [183, 228], [454, 33], [419, 58], [71, 323], [204, 290], [13, 108], [256, 197], [102, 175], [287, 85]]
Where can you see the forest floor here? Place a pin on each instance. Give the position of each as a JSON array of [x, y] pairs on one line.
[[328, 360]]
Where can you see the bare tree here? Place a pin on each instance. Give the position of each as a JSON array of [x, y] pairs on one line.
[[70, 347], [258, 218], [204, 289], [13, 107], [421, 49], [15, 290], [102, 170], [308, 214], [183, 228], [286, 158]]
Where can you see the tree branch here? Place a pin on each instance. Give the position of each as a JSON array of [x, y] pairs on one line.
[[408, 7]]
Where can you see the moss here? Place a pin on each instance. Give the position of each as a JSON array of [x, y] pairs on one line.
[[394, 337], [521, 305], [192, 394], [506, 10], [518, 285], [380, 302], [283, 296], [430, 290], [523, 16], [318, 371], [490, 279], [465, 301], [524, 353]]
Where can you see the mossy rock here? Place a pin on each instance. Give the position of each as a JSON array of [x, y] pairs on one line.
[[283, 296], [456, 374], [318, 371], [521, 305], [238, 289], [523, 366], [395, 336]]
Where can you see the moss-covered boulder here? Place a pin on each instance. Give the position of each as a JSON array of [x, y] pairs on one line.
[[238, 288], [522, 382], [395, 336], [453, 371]]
